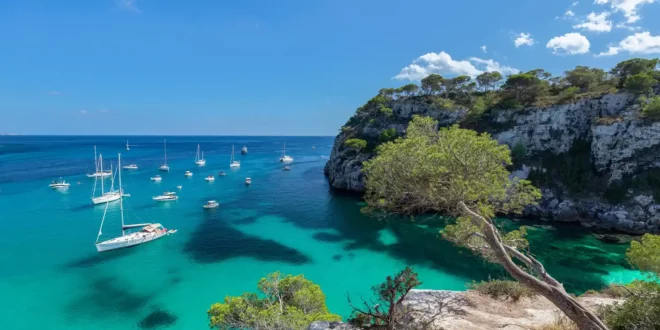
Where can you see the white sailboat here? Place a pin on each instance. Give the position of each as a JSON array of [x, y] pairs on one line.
[[127, 148], [165, 167], [98, 173], [109, 196], [234, 163], [130, 167], [285, 158], [148, 233], [199, 161]]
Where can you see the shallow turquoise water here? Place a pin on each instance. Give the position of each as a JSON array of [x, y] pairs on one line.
[[287, 221]]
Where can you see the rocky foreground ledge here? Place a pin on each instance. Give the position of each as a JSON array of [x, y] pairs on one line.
[[469, 310]]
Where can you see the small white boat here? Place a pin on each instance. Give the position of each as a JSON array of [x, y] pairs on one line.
[[179, 187], [200, 161], [130, 167], [156, 178], [210, 178], [211, 205], [248, 181], [106, 196], [166, 197], [221, 173], [234, 163], [165, 167], [285, 158], [244, 150], [188, 173], [59, 184]]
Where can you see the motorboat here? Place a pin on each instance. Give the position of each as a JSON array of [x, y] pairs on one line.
[[199, 160], [188, 173], [211, 204], [179, 187], [248, 181], [59, 184], [98, 173], [232, 162], [285, 158], [210, 178], [165, 167], [166, 197], [130, 167], [244, 150], [156, 178], [286, 168], [147, 233], [221, 173]]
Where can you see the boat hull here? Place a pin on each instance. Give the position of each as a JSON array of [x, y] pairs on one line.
[[106, 198], [128, 241], [99, 175]]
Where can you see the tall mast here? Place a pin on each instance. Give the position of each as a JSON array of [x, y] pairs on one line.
[[96, 163], [197, 156], [284, 149], [102, 178], [121, 195], [232, 154], [165, 147]]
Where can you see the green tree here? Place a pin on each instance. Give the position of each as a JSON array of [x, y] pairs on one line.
[[584, 77], [633, 66], [645, 253], [524, 87], [387, 92], [640, 83], [385, 111], [651, 109], [285, 303], [357, 144], [432, 84], [387, 135], [540, 73], [488, 80], [410, 89], [463, 173]]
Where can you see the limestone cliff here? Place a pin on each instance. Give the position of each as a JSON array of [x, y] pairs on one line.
[[600, 143]]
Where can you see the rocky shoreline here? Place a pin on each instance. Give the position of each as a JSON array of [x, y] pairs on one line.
[[620, 145]]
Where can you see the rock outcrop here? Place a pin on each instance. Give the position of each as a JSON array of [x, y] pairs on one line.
[[620, 145], [476, 312]]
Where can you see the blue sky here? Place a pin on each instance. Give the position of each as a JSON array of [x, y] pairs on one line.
[[278, 67]]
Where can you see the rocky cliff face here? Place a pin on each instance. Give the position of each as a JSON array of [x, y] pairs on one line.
[[619, 146]]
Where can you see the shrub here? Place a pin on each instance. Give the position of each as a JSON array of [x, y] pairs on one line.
[[569, 93], [640, 311], [442, 103], [651, 109], [284, 302], [358, 144], [385, 111], [640, 83], [502, 289], [518, 152], [387, 135]]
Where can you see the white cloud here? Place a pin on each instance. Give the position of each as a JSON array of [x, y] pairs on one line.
[[483, 49], [569, 13], [570, 43], [575, 3], [629, 8], [596, 23], [638, 43], [442, 63], [523, 39], [129, 5], [83, 112], [625, 25]]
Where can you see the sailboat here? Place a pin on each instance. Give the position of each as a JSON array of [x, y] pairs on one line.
[[127, 148], [165, 167], [285, 158], [147, 233], [244, 150], [200, 161], [98, 173], [234, 163], [109, 196]]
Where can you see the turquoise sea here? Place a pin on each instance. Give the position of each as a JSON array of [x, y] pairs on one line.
[[51, 275]]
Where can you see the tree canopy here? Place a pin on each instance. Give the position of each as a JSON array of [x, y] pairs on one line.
[[283, 303]]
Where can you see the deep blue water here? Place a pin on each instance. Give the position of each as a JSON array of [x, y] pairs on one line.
[[51, 275]]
